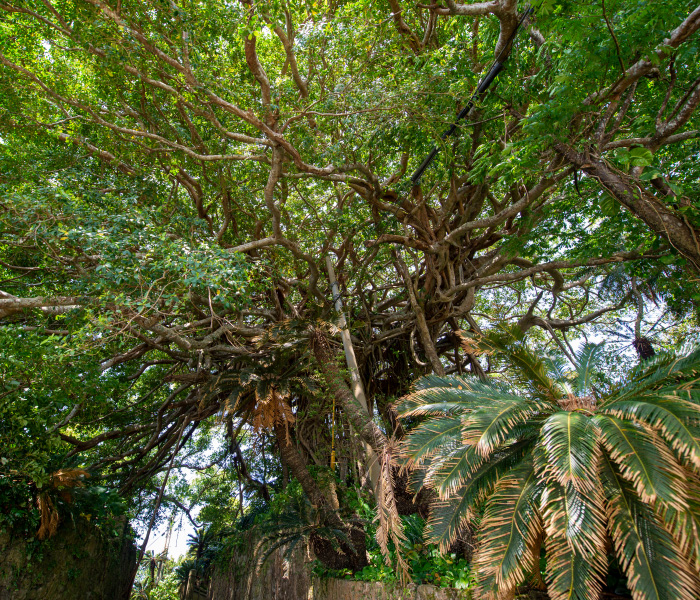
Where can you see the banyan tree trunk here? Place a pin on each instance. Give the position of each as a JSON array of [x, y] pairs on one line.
[[332, 555]]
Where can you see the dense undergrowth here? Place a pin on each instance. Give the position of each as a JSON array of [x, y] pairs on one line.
[[426, 564]]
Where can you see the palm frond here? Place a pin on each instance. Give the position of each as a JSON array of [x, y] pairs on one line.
[[569, 443], [663, 370], [447, 517], [297, 522], [655, 566], [530, 370], [675, 419], [427, 382], [644, 459], [687, 391], [510, 530], [433, 395], [270, 410], [429, 437], [390, 526], [587, 360], [685, 525], [49, 517], [446, 473], [417, 474], [575, 526], [491, 425], [69, 478], [557, 366]]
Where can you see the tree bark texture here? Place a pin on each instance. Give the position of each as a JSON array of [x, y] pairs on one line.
[[661, 219]]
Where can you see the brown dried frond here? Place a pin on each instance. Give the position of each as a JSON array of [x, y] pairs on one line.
[[333, 329], [571, 402], [271, 410], [59, 481], [472, 344], [48, 523], [69, 478], [390, 524]]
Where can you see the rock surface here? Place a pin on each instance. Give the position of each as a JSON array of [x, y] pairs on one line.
[[78, 563]]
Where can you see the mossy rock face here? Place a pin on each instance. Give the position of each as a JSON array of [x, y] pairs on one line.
[[78, 563]]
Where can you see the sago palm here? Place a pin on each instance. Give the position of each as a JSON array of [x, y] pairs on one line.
[[556, 461]]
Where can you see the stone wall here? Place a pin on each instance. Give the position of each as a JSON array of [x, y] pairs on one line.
[[189, 590], [340, 589], [278, 579], [291, 580], [78, 563]]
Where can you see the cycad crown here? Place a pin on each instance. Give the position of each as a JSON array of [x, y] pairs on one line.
[[561, 463]]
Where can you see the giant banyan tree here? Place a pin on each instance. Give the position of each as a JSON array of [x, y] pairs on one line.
[[174, 176]]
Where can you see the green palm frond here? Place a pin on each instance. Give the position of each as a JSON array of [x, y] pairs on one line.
[[530, 370], [675, 419], [625, 465], [656, 568], [417, 475], [687, 391], [685, 525], [587, 360], [493, 424], [570, 450], [512, 528], [429, 437], [433, 395], [296, 523], [447, 472], [682, 360], [663, 370], [575, 544], [455, 382], [645, 460], [448, 516], [491, 414], [558, 368]]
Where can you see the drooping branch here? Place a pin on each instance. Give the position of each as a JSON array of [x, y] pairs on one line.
[[426, 338]]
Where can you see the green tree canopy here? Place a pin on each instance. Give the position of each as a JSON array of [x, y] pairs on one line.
[[174, 174]]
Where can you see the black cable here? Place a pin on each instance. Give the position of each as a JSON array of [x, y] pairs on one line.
[[576, 183], [484, 84]]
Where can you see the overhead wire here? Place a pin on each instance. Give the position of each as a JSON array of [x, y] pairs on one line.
[[481, 88]]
